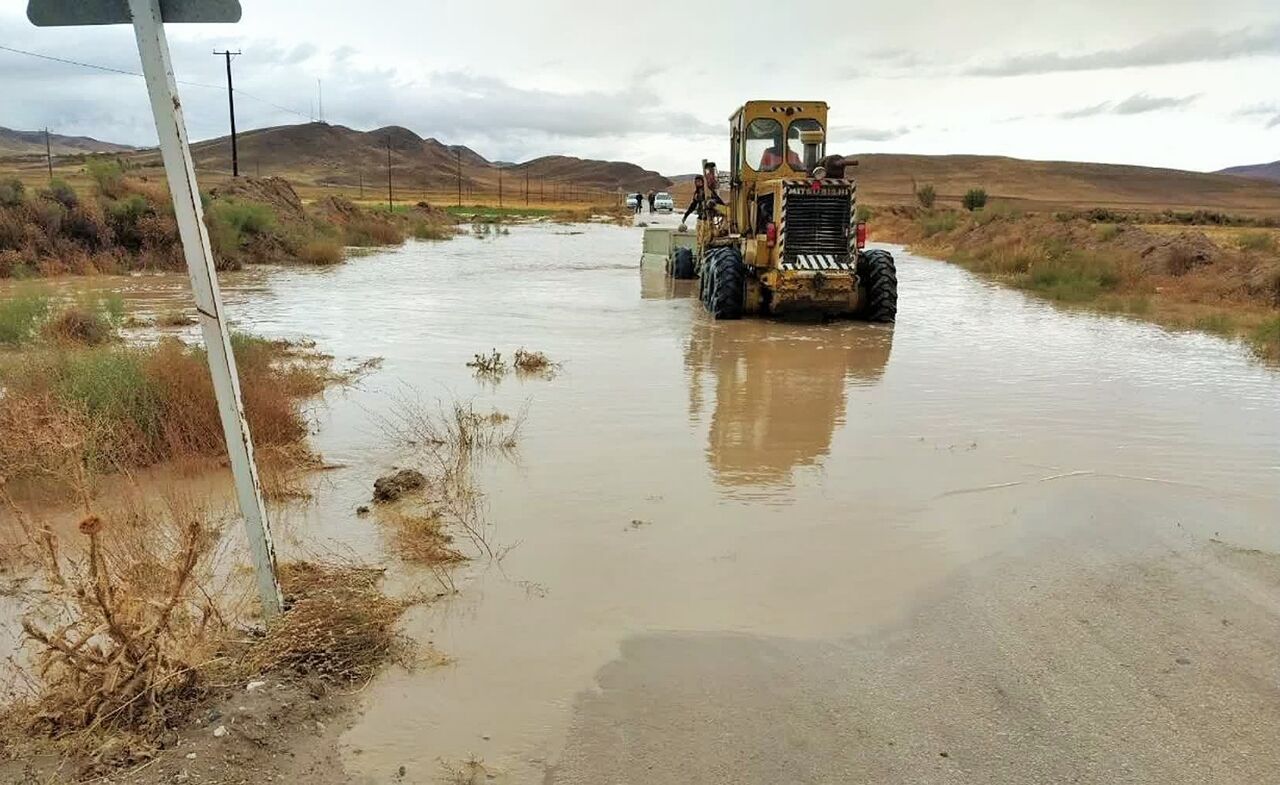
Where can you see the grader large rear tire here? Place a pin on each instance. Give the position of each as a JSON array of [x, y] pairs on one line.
[[682, 265], [879, 277], [727, 289]]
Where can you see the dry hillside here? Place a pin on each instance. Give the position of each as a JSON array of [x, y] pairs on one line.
[[887, 179], [324, 154], [14, 143], [1269, 171]]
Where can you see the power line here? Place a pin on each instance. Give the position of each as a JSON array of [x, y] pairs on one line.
[[111, 70]]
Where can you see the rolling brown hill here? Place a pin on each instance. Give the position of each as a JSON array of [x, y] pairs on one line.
[[13, 143], [887, 179], [324, 154], [1269, 171]]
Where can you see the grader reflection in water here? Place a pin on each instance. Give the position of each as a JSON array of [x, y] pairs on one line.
[[780, 391]]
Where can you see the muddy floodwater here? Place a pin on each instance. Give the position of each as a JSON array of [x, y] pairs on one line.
[[997, 542]]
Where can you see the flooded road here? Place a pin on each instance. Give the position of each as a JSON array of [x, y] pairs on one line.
[[977, 546]]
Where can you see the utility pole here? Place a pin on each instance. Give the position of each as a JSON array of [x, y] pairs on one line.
[[360, 174], [459, 154], [499, 187], [231, 105], [526, 187], [320, 99], [48, 152], [390, 203]]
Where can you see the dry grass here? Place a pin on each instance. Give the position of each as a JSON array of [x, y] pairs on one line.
[[422, 537], [339, 625], [320, 253], [175, 318], [71, 412]]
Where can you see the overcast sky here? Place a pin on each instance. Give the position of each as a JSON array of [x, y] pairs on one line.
[[1179, 83]]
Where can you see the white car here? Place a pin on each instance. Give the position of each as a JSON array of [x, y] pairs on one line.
[[663, 203]]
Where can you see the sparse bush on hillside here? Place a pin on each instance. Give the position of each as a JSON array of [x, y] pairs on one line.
[[61, 193], [926, 196], [107, 174], [12, 192], [975, 199], [864, 212], [936, 223]]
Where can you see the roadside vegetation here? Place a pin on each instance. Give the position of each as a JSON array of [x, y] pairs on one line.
[[1220, 276], [79, 403], [135, 610], [125, 222]]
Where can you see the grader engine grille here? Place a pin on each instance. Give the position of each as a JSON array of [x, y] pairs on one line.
[[816, 225]]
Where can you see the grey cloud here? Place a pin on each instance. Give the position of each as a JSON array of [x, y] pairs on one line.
[[1271, 111], [1140, 103], [851, 133], [1192, 46]]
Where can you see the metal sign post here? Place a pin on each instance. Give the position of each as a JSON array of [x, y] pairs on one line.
[[148, 26]]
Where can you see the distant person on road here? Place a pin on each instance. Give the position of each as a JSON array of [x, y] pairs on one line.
[[702, 201], [651, 195], [639, 202]]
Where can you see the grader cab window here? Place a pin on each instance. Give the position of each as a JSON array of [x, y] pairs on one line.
[[795, 146], [764, 144]]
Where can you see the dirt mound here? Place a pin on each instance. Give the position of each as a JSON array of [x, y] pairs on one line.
[[1170, 254], [391, 487], [273, 191], [338, 209], [434, 214]]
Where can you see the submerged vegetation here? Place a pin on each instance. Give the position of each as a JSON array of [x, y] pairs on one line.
[[1218, 279]]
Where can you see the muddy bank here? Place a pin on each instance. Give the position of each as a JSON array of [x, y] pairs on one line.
[[124, 222], [1218, 277]]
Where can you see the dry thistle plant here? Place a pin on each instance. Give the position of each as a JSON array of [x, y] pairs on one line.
[[124, 627]]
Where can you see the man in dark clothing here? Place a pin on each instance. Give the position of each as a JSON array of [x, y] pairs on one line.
[[639, 202], [702, 201], [651, 195]]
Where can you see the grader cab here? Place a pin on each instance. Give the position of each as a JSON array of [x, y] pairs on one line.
[[785, 239]]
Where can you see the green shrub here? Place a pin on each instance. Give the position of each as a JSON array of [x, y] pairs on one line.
[[926, 196], [864, 212], [1266, 337], [426, 230], [1257, 241], [21, 316], [1216, 323], [231, 223], [107, 174], [1109, 232], [12, 192], [975, 199], [1071, 276], [939, 222], [62, 193]]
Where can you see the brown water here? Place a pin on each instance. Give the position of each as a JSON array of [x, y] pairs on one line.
[[797, 481]]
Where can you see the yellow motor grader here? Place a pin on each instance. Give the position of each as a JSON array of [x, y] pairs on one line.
[[786, 240]]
